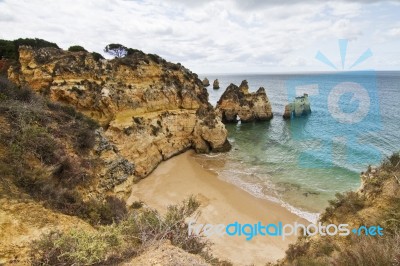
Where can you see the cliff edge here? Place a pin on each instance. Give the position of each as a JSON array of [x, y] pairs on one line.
[[150, 109]]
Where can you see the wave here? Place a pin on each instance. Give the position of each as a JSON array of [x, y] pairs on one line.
[[256, 190]]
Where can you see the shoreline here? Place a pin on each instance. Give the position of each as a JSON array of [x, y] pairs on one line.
[[221, 202]]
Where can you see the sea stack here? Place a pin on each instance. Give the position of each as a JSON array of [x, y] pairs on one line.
[[237, 103], [299, 107], [216, 84], [206, 82]]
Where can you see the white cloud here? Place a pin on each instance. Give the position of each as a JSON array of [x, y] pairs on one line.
[[206, 36]]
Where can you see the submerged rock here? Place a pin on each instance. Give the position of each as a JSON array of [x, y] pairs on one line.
[[216, 84], [299, 107], [237, 103], [206, 82]]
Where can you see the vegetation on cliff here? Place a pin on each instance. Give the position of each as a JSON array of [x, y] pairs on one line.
[[46, 153], [9, 49], [150, 109], [75, 132], [377, 202], [47, 156], [114, 243]]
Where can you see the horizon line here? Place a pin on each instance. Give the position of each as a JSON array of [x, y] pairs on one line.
[[294, 72]]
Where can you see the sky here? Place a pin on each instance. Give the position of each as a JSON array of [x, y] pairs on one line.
[[220, 36]]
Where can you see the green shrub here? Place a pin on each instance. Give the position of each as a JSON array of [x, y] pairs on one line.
[[113, 210], [7, 50], [344, 204], [97, 56], [76, 48]]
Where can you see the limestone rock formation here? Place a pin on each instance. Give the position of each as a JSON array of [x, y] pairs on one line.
[[151, 109], [237, 103], [299, 107], [206, 82], [216, 84]]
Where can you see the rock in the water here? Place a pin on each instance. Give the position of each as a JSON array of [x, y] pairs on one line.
[[299, 107], [206, 82], [152, 109], [216, 84], [237, 103]]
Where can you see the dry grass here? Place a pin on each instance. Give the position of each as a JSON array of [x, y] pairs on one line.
[[114, 243]]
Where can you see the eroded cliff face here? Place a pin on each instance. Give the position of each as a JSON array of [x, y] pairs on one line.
[[238, 101], [151, 109]]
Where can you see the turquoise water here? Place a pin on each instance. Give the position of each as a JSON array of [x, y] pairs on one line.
[[302, 163]]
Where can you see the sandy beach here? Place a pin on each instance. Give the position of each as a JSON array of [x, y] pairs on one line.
[[221, 202]]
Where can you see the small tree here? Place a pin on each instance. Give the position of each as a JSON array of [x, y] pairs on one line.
[[116, 49], [76, 48]]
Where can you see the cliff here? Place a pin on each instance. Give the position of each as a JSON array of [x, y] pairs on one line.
[[60, 172], [239, 102], [150, 109]]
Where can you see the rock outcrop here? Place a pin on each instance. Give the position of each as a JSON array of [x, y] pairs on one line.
[[216, 84], [206, 82], [237, 103], [151, 109], [299, 107]]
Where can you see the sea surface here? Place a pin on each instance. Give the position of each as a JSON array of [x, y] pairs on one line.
[[301, 163]]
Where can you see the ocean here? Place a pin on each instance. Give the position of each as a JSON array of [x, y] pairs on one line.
[[302, 163]]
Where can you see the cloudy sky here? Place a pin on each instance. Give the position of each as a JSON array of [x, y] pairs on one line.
[[221, 36]]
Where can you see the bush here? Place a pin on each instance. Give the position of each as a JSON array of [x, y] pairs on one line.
[[297, 250], [9, 49], [371, 251], [12, 92], [113, 211], [76, 48], [68, 172], [77, 247], [85, 139], [392, 163], [114, 243], [344, 204], [97, 56]]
